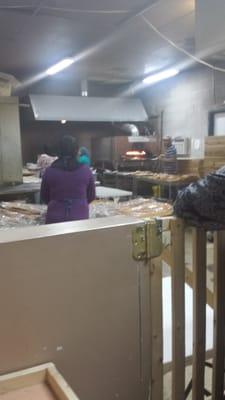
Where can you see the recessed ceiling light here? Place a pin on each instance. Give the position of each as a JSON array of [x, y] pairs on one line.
[[60, 66], [169, 73]]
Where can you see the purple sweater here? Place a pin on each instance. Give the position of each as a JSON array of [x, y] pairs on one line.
[[67, 193]]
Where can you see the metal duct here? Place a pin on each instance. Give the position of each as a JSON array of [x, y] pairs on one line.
[[131, 129], [87, 109], [134, 133]]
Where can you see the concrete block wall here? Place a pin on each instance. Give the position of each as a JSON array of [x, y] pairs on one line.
[[186, 101]]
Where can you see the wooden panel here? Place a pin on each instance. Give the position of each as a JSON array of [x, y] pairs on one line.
[[41, 382], [39, 391], [59, 386], [72, 298], [217, 150], [156, 329], [201, 167], [199, 312], [215, 146], [215, 140], [219, 317], [178, 309], [21, 379]]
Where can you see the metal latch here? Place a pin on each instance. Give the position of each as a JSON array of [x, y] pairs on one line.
[[147, 241]]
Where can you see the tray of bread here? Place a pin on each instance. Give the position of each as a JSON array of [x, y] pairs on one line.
[[139, 208], [165, 178]]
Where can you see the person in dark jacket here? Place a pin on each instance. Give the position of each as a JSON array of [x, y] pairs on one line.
[[203, 202], [68, 187]]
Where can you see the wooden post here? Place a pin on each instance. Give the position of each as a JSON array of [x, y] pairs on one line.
[[199, 312], [178, 309], [156, 329], [10, 149], [219, 316], [189, 280]]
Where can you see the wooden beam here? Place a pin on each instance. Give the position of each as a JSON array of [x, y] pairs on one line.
[[178, 309], [167, 257], [156, 329], [188, 362], [219, 316], [189, 279], [199, 313], [47, 373]]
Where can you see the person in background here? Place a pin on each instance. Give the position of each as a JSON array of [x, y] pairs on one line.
[[84, 156], [169, 158], [45, 160], [68, 187]]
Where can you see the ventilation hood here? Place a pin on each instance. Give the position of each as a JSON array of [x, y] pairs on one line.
[[134, 133], [87, 109]]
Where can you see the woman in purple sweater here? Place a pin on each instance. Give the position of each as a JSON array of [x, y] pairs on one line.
[[67, 186]]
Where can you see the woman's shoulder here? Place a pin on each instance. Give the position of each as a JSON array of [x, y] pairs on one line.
[[49, 172], [84, 168]]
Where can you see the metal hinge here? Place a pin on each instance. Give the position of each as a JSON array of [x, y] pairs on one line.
[[147, 241]]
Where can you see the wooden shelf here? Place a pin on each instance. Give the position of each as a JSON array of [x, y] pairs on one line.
[[39, 383]]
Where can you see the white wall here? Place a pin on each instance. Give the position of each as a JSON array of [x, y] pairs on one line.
[[186, 101]]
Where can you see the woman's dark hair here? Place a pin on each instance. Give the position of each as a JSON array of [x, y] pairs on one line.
[[68, 151], [68, 147]]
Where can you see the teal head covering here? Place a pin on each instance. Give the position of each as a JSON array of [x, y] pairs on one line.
[[84, 156]]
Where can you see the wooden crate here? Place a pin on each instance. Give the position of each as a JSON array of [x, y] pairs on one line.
[[39, 383], [201, 167], [217, 150], [215, 146], [215, 140], [211, 164], [189, 166]]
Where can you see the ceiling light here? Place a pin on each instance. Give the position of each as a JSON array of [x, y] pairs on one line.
[[63, 121], [60, 66], [84, 93], [169, 73]]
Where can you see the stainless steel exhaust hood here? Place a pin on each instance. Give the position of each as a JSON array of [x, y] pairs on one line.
[[87, 109]]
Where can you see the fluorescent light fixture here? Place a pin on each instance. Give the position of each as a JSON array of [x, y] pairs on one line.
[[169, 73], [60, 66], [63, 121]]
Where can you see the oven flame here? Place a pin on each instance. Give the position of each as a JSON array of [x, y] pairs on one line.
[[135, 154]]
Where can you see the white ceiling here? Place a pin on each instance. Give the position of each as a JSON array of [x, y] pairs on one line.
[[36, 34]]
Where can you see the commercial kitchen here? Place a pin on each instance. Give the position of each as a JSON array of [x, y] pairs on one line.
[[123, 300]]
